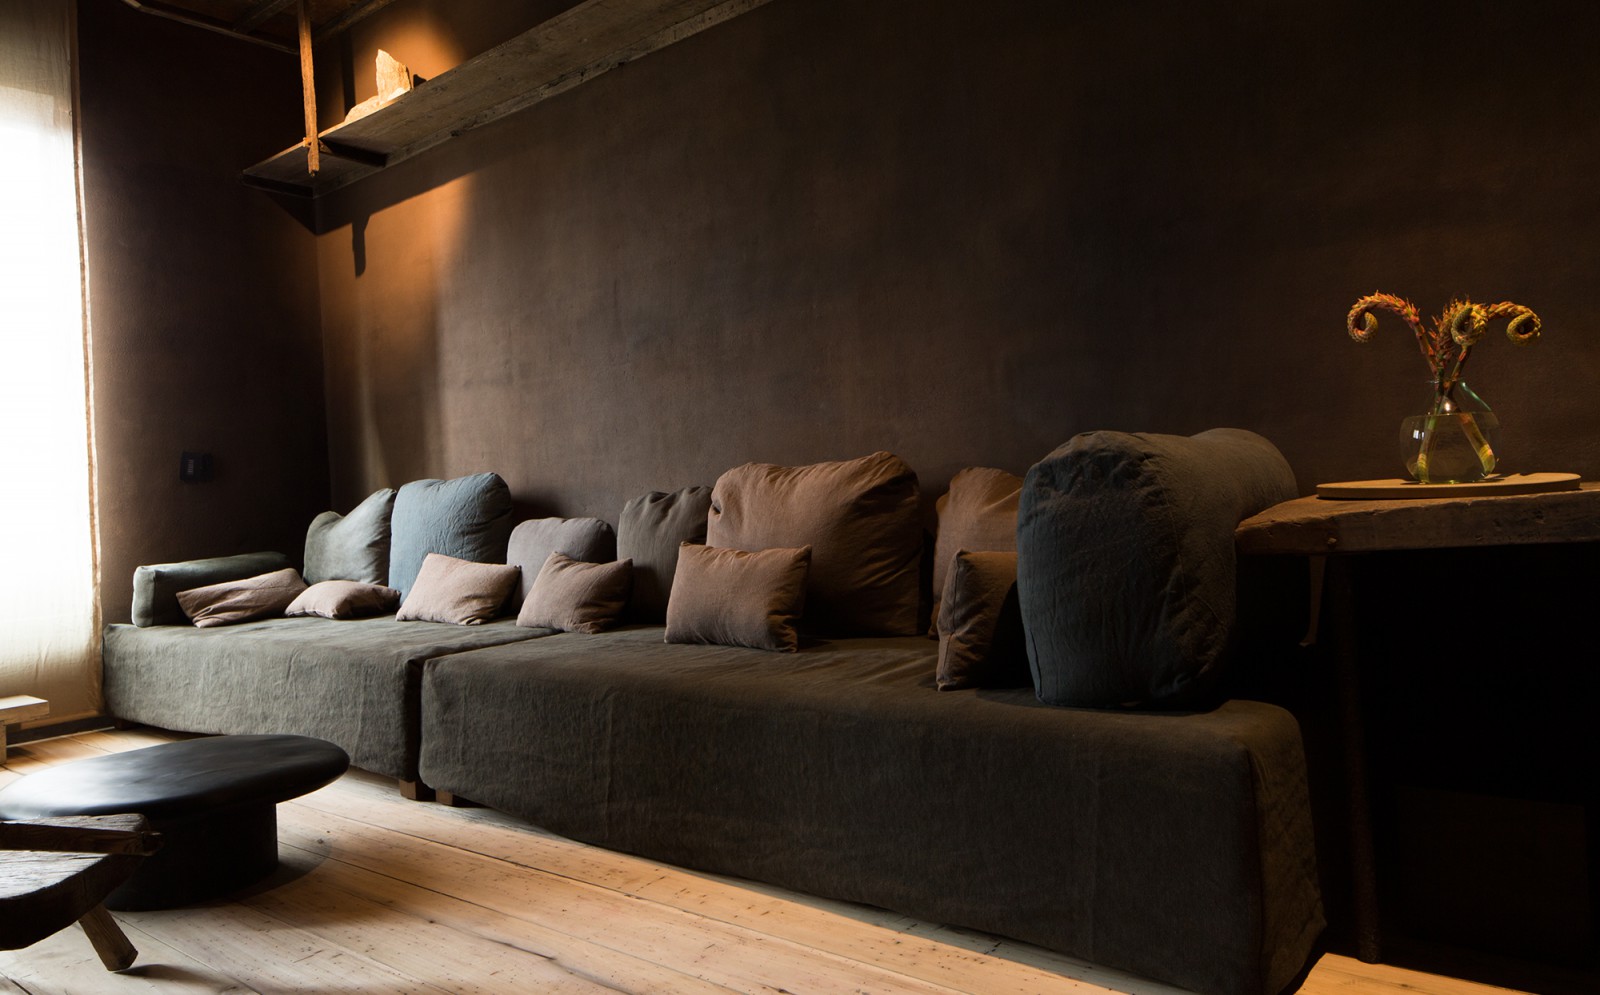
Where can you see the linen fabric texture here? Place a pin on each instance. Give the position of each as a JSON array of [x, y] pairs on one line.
[[532, 542], [649, 532], [978, 514], [468, 518], [235, 601], [344, 599], [574, 596], [1126, 571], [860, 517], [732, 597], [156, 585], [460, 592], [981, 643], [351, 547], [838, 771]]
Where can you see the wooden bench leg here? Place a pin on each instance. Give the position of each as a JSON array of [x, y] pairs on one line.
[[416, 791], [108, 939]]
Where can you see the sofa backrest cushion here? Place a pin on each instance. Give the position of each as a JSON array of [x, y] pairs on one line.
[[1126, 573], [587, 539], [861, 519], [651, 529], [978, 514], [468, 518], [156, 585], [351, 547]]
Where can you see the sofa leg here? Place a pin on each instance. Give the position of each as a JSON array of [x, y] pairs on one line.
[[452, 799], [416, 791]]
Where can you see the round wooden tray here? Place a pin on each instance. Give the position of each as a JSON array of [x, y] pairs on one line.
[[1515, 483]]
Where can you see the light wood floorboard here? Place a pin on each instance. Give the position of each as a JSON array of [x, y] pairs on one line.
[[378, 894]]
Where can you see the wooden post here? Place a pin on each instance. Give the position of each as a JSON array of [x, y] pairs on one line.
[[308, 90]]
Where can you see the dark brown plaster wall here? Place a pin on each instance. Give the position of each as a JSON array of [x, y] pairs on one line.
[[202, 297], [964, 232]]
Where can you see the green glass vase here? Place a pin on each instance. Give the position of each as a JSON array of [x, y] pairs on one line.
[[1455, 442]]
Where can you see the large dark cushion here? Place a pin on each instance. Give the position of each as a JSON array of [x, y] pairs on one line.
[[648, 533], [1126, 571], [468, 518], [351, 547], [589, 540], [156, 585], [863, 523]]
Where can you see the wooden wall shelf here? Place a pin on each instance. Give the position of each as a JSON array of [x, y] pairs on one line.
[[575, 46]]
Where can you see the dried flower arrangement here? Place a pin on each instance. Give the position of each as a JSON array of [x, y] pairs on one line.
[[1458, 328]]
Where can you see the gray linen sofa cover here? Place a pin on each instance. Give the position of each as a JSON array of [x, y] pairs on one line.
[[356, 683], [1177, 846]]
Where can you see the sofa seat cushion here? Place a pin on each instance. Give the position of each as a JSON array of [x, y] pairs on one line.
[[1175, 846], [354, 683]]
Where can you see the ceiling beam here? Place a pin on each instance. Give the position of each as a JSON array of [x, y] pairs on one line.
[[195, 20], [258, 14]]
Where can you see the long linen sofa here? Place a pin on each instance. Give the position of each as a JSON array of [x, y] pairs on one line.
[[1116, 806]]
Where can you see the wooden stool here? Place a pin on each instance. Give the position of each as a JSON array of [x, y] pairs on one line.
[[57, 872]]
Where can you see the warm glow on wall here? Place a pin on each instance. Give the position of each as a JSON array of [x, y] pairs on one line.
[[48, 625]]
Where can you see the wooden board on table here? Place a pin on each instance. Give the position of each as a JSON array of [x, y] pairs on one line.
[[1407, 490]]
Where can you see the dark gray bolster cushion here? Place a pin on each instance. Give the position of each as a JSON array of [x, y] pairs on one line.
[[156, 585], [1126, 572]]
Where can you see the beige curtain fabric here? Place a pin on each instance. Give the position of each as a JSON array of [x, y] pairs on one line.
[[49, 624]]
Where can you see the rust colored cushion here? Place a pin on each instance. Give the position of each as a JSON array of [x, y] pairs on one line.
[[731, 597], [981, 643], [457, 591], [978, 512], [233, 601], [576, 596], [861, 519]]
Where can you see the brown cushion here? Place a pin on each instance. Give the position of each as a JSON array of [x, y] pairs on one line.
[[231, 601], [980, 625], [730, 597], [649, 532], [575, 596], [532, 542], [344, 599], [457, 591], [978, 512], [861, 519]]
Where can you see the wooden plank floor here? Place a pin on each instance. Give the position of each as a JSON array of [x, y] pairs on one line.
[[378, 894]]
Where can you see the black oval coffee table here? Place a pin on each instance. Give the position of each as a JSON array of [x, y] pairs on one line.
[[213, 800]]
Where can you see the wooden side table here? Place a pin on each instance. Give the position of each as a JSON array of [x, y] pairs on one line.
[[1332, 529], [19, 708]]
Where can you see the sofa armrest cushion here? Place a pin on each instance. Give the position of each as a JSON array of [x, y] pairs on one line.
[[1126, 572], [156, 585], [589, 540], [351, 547], [649, 532], [468, 518]]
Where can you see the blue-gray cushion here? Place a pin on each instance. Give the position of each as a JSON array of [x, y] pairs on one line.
[[1126, 572], [651, 529], [156, 585], [468, 518], [351, 547], [586, 539]]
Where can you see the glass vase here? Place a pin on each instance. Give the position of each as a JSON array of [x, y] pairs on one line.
[[1455, 442]]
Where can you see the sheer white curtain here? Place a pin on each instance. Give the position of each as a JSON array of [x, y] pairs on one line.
[[49, 639]]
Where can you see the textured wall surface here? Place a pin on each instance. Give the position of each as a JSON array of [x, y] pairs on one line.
[[202, 296], [964, 233]]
